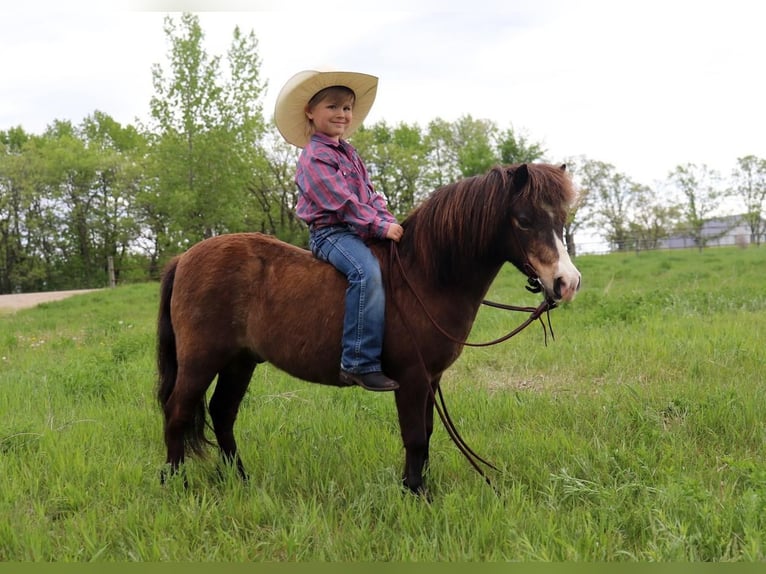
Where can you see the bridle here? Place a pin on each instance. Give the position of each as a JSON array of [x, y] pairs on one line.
[[536, 313], [534, 286]]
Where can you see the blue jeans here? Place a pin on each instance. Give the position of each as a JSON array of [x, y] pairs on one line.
[[364, 319]]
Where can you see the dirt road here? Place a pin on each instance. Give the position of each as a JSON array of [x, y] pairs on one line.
[[25, 300]]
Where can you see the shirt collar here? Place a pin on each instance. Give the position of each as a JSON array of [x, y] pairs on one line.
[[322, 138]]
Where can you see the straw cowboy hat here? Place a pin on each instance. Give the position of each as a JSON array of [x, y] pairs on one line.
[[290, 109]]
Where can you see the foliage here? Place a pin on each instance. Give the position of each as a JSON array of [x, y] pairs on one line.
[[653, 221], [750, 187], [202, 151], [702, 195], [67, 200], [637, 435], [396, 161], [78, 197], [612, 197], [274, 191], [581, 212], [515, 147], [473, 140], [407, 163]]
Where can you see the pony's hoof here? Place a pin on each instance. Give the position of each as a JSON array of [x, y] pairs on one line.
[[420, 491], [168, 474]]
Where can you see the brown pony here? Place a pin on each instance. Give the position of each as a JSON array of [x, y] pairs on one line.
[[234, 301]]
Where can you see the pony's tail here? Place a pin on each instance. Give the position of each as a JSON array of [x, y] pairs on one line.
[[167, 364]]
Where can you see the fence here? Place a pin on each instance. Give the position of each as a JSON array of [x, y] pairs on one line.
[[717, 233]]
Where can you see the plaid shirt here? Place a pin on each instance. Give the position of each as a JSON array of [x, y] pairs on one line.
[[335, 188]]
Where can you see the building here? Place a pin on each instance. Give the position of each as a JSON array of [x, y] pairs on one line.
[[720, 231]]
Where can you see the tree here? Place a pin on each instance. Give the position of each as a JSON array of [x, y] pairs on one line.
[[395, 159], [119, 153], [516, 148], [207, 128], [275, 192], [701, 195], [652, 221], [475, 145], [17, 185], [71, 170], [580, 213], [442, 166], [750, 186], [32, 228], [611, 196], [410, 154]]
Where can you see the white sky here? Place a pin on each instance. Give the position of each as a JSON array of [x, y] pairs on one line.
[[645, 85]]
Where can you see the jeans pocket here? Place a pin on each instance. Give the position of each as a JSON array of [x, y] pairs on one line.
[[313, 245], [318, 241], [321, 241]]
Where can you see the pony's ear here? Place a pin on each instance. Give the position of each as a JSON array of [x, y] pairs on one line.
[[520, 176], [563, 167]]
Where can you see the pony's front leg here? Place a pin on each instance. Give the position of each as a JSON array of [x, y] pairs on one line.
[[414, 403]]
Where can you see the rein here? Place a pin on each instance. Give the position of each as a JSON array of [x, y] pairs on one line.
[[535, 314]]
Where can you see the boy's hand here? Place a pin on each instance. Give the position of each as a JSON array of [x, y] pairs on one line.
[[395, 232]]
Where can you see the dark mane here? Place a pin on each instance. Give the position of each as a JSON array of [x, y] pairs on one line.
[[463, 220]]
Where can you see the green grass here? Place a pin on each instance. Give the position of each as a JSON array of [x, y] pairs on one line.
[[638, 434]]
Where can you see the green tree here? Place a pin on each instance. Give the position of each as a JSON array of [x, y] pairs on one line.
[[18, 184], [115, 224], [580, 213], [71, 187], [208, 127], [611, 196], [67, 197], [442, 165], [274, 191], [514, 147], [395, 159], [653, 220], [37, 221], [701, 196], [470, 147], [750, 187], [475, 145]]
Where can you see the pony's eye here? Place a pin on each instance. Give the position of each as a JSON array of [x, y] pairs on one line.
[[523, 223]]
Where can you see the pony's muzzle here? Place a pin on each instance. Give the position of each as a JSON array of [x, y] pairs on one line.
[[566, 286]]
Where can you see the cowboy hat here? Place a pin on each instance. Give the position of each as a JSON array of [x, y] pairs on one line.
[[290, 109]]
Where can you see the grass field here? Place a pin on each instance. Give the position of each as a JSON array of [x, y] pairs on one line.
[[638, 434]]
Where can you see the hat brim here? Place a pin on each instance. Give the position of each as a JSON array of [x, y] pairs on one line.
[[290, 109]]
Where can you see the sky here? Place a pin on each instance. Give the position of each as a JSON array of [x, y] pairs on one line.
[[644, 85]]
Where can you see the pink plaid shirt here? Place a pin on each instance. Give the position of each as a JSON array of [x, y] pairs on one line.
[[335, 188]]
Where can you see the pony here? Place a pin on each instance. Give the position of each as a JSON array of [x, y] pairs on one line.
[[233, 301]]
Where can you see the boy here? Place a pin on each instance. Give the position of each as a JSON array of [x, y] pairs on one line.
[[315, 111]]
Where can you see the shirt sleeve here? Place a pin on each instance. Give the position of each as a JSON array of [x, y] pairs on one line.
[[377, 200]]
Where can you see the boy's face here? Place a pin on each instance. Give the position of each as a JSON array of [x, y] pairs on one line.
[[332, 116]]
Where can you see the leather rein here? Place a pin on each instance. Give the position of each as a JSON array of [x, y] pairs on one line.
[[534, 286]]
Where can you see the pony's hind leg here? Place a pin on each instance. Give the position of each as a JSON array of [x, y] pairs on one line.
[[185, 418], [230, 389]]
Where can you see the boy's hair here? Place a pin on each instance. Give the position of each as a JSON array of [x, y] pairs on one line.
[[339, 93]]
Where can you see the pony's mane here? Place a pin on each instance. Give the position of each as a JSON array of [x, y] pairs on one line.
[[463, 220]]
